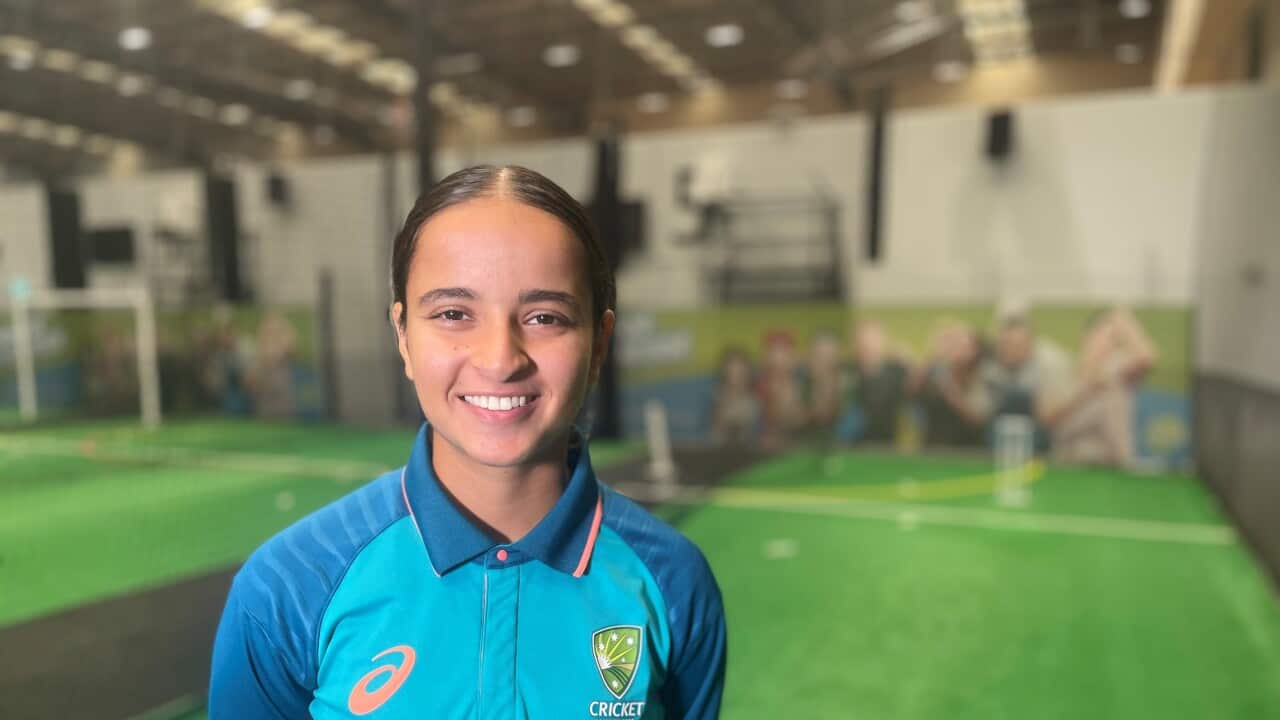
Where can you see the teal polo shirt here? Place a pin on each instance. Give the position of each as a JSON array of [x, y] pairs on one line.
[[390, 603]]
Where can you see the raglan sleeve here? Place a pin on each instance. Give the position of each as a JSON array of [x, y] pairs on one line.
[[254, 676], [695, 681]]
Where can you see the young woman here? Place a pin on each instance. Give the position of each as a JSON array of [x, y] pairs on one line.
[[493, 576]]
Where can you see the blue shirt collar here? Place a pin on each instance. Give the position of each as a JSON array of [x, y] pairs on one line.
[[563, 539]]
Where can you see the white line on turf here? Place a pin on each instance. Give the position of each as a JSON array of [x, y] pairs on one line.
[[1078, 525], [253, 462]]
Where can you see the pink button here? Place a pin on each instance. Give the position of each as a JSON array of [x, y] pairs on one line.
[[502, 555]]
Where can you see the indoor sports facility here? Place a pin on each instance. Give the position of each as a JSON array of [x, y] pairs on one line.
[[948, 330]]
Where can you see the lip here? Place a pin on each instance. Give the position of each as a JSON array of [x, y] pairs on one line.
[[501, 417]]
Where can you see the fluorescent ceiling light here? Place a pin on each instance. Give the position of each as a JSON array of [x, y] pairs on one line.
[[97, 71], [34, 128], [235, 114], [135, 38], [613, 15], [66, 136], [21, 60], [257, 17], [725, 35], [287, 24], [638, 36], [561, 55], [59, 60], [8, 121], [131, 85]]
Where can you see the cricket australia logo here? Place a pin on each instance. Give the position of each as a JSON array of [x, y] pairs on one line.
[[617, 652]]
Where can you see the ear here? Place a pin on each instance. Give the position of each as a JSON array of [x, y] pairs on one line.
[[402, 343], [600, 345]]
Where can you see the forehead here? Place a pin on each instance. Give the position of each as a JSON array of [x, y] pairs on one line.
[[498, 242]]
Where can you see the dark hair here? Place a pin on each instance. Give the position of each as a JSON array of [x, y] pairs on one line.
[[518, 183]]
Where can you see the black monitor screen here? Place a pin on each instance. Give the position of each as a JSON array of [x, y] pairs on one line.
[[111, 245]]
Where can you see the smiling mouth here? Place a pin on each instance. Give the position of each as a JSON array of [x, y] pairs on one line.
[[499, 403]]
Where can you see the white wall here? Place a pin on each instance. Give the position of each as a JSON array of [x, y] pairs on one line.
[[24, 237], [1238, 260], [1098, 203], [149, 204], [336, 223]]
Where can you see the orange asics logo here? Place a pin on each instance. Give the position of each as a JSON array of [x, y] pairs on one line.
[[363, 702]]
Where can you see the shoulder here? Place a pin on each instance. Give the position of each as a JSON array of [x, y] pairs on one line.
[[676, 564], [287, 582]]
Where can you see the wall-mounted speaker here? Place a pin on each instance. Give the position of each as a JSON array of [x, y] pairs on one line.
[[1000, 135]]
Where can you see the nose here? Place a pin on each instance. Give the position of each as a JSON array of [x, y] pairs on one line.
[[500, 355]]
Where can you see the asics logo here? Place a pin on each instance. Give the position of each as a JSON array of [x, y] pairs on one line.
[[362, 701]]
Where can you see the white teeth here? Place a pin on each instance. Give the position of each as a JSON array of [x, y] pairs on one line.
[[493, 402]]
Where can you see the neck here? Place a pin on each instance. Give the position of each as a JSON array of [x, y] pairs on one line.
[[506, 502]]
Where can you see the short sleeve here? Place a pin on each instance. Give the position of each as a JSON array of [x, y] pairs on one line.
[[252, 678], [696, 681]]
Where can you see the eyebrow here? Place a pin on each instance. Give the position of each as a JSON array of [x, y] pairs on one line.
[[526, 297], [449, 293], [533, 296]]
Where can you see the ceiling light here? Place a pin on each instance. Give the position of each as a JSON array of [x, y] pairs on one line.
[[350, 53], [21, 60], [950, 71], [34, 128], [1134, 9], [258, 17], [653, 102], [66, 136], [131, 85], [235, 114], [1129, 53], [299, 89], [638, 36], [592, 5], [288, 24], [522, 116], [59, 60], [320, 39], [910, 11], [97, 71], [562, 55], [613, 15], [135, 38], [792, 89], [8, 121], [726, 35]]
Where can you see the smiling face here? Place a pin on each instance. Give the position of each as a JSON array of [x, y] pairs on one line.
[[497, 332]]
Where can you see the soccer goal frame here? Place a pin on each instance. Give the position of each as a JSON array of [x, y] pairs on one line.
[[23, 301]]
